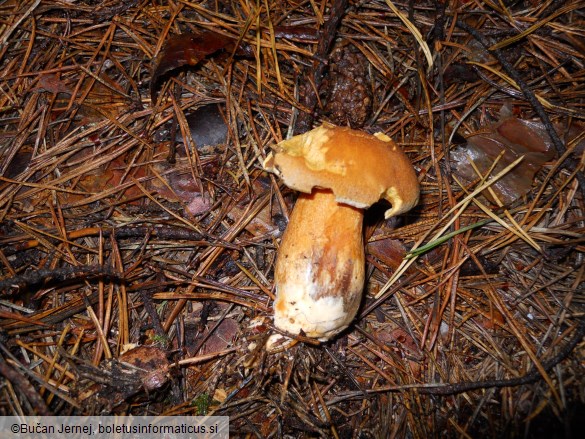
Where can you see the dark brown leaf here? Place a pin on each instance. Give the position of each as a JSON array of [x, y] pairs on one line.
[[390, 251], [184, 50], [513, 138], [152, 363]]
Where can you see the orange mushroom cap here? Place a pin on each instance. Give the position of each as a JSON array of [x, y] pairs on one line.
[[359, 168]]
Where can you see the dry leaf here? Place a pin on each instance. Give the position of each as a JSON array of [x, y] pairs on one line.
[[104, 98], [180, 186], [152, 363], [405, 344], [222, 337], [514, 138], [184, 50], [390, 251]]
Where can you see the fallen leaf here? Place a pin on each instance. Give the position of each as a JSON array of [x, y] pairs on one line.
[[19, 163], [389, 251], [52, 83], [262, 224], [222, 337], [405, 345], [184, 50], [512, 137], [180, 186], [490, 320], [152, 363], [108, 177], [103, 98]]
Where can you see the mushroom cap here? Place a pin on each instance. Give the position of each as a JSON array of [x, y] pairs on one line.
[[359, 168]]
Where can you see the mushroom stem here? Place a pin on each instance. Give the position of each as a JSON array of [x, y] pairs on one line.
[[320, 269]]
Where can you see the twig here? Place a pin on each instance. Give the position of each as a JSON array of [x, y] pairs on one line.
[[163, 232], [151, 311], [531, 377], [9, 357], [205, 337], [24, 387], [40, 278], [455, 388]]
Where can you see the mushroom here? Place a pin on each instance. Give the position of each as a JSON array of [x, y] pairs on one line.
[[320, 267]]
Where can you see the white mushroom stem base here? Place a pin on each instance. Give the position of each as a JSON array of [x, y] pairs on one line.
[[320, 268]]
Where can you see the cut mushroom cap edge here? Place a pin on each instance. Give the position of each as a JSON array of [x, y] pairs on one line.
[[358, 167]]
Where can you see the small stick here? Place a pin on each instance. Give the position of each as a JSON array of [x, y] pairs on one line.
[[451, 389], [25, 387], [39, 278]]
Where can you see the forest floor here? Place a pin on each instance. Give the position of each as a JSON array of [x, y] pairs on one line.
[[139, 230]]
